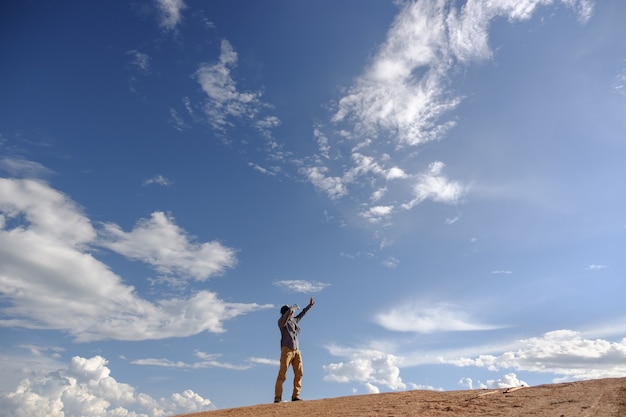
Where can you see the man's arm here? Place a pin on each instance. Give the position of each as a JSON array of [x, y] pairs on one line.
[[305, 309]]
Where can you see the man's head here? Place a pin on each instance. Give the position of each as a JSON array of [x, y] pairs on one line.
[[284, 309]]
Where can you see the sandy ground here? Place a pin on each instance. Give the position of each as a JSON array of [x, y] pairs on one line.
[[594, 398]]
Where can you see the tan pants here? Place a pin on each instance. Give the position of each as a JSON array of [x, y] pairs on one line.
[[289, 357]]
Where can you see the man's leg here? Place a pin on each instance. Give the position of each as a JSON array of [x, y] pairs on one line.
[[286, 356], [298, 371]]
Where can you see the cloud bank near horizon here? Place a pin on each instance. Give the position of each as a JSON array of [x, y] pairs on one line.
[[85, 387]]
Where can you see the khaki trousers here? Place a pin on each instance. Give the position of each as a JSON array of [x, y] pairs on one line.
[[289, 357]]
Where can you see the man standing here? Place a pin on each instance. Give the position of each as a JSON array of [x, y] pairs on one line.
[[289, 350]]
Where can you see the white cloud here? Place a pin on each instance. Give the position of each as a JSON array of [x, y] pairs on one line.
[[50, 280], [48, 216], [395, 173], [26, 361], [264, 361], [225, 102], [159, 180], [620, 83], [260, 169], [159, 242], [391, 262], [372, 368], [596, 267], [170, 13], [509, 380], [333, 186], [452, 220], [423, 317], [389, 96], [404, 98], [85, 387], [371, 388], [207, 361], [18, 167], [177, 121], [140, 61], [432, 185], [303, 286], [377, 213], [562, 352]]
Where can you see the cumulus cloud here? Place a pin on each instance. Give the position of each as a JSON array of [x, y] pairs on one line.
[[159, 242], [49, 278], [377, 213], [372, 368], [85, 387], [562, 352], [429, 318], [509, 380], [299, 285]]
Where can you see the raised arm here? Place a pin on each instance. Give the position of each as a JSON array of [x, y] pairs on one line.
[[305, 309]]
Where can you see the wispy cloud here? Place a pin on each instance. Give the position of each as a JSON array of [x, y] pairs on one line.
[[159, 180], [207, 361], [430, 318], [170, 13], [502, 272], [23, 168], [303, 286], [46, 242], [596, 267], [433, 185], [140, 61], [178, 122], [224, 100], [404, 98], [391, 262], [619, 84], [264, 361], [260, 169]]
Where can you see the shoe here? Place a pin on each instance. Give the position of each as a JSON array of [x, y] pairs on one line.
[[277, 401], [296, 399]]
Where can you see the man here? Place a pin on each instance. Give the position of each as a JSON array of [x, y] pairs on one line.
[[289, 350]]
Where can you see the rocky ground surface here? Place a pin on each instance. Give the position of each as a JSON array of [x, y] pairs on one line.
[[594, 398]]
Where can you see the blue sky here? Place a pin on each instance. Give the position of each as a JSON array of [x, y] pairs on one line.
[[446, 178]]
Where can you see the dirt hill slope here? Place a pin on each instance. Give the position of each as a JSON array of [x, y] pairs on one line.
[[594, 398]]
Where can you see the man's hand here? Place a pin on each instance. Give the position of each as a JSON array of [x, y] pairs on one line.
[[311, 302]]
